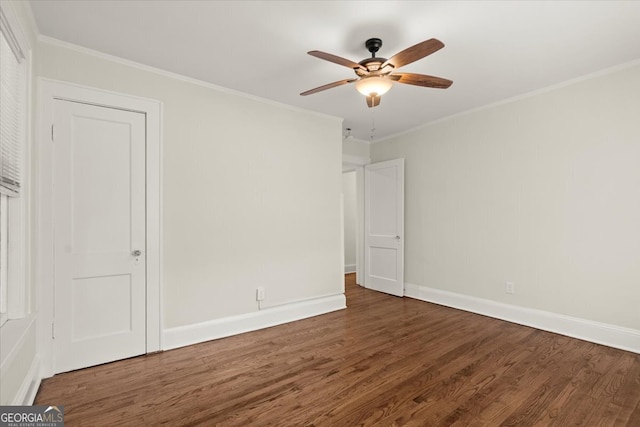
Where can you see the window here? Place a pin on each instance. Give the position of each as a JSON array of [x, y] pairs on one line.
[[13, 132]]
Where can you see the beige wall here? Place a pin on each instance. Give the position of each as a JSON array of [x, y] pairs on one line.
[[251, 191], [543, 192], [356, 148]]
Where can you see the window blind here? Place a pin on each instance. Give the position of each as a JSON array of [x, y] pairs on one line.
[[10, 119]]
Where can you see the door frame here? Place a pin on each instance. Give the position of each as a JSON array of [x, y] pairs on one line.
[[356, 164], [48, 91]]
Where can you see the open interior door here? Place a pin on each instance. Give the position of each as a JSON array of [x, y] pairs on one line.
[[384, 226]]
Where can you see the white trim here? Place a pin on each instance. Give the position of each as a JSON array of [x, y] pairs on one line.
[[342, 248], [19, 212], [599, 333], [4, 257], [358, 140], [358, 267], [30, 385], [349, 268], [13, 31], [118, 60], [360, 225], [350, 162], [13, 336], [516, 98], [18, 208], [193, 334], [48, 91]]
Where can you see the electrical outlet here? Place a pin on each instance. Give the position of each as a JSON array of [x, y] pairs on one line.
[[260, 293], [510, 288]]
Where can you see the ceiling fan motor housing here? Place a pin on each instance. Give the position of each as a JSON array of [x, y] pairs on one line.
[[373, 64], [372, 82]]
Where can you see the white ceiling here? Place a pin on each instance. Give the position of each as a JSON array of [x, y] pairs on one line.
[[494, 50]]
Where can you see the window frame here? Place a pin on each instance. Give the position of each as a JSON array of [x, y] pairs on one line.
[[4, 258], [17, 208]]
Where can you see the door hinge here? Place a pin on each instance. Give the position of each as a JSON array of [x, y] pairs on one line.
[[52, 134], [53, 331]]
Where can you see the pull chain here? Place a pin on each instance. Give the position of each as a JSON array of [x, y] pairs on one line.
[[373, 124]]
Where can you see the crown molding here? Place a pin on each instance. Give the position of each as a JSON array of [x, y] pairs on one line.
[[164, 73], [603, 72], [13, 32]]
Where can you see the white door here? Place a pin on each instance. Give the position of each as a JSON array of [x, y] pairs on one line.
[[384, 226], [99, 227]]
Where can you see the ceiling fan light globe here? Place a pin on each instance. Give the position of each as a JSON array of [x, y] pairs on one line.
[[377, 85]]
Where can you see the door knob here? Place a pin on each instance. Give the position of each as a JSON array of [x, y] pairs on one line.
[[137, 252]]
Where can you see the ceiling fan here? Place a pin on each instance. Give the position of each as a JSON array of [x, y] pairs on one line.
[[375, 75]]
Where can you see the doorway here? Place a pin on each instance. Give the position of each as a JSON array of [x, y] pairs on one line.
[[350, 221], [353, 199]]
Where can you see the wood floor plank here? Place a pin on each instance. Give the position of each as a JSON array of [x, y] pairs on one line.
[[435, 385], [384, 361]]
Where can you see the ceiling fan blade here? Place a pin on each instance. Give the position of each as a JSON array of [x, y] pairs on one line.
[[336, 60], [414, 53], [328, 86], [421, 80], [373, 100]]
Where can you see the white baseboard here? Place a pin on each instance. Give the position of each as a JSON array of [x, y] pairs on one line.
[[587, 330], [349, 268], [17, 345], [29, 388], [220, 328]]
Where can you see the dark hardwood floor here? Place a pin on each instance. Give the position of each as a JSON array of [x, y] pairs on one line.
[[384, 361]]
